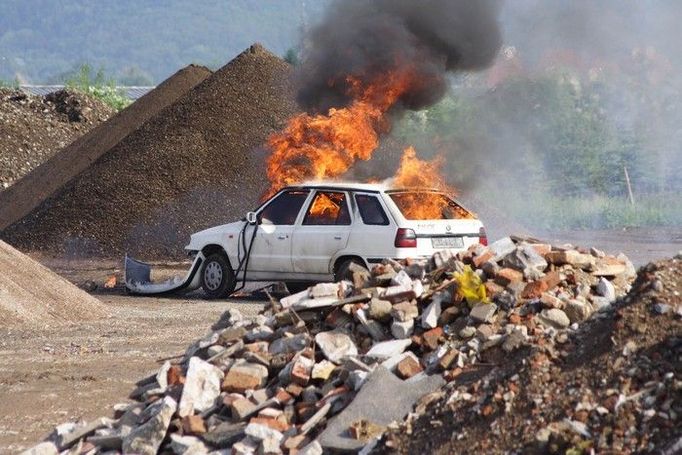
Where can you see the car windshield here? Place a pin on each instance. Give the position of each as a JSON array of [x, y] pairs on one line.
[[422, 205]]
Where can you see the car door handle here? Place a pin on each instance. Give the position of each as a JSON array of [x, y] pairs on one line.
[[337, 237], [282, 237]]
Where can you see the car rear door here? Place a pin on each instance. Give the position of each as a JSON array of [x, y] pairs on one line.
[[324, 231], [374, 229], [271, 251]]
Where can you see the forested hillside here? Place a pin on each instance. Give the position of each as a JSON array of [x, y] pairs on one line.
[[140, 41]]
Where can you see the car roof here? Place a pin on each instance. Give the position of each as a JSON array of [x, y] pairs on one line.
[[355, 186]]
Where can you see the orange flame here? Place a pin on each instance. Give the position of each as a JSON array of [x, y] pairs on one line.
[[318, 147], [326, 207], [325, 146], [416, 173]]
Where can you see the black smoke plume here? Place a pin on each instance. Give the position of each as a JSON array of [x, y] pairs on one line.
[[367, 38]]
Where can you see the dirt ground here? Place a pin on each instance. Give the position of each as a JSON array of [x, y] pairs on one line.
[[51, 375], [55, 374]]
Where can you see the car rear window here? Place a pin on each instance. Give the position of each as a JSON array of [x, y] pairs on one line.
[[371, 211], [417, 205], [328, 208]]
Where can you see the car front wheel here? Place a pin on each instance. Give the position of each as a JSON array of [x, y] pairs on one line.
[[217, 277]]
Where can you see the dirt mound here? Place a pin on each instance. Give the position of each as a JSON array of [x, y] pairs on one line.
[[193, 165], [33, 128], [26, 194], [613, 386], [32, 293]]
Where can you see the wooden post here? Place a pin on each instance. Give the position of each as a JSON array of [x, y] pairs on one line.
[[627, 181]]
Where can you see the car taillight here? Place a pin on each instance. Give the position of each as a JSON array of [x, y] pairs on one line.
[[482, 237], [405, 238]]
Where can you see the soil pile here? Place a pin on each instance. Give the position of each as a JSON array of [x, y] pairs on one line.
[[32, 293], [33, 128], [194, 165], [28, 193], [614, 386]]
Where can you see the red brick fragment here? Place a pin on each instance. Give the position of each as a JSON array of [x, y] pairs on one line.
[[408, 367], [508, 276]]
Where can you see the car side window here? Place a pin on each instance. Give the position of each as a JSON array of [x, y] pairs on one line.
[[328, 208], [284, 209], [371, 211]]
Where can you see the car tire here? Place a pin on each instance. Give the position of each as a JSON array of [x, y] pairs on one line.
[[343, 271], [217, 277]]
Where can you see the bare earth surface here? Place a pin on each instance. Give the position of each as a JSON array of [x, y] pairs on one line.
[[58, 373], [53, 374]]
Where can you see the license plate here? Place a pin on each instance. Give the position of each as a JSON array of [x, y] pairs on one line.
[[447, 242]]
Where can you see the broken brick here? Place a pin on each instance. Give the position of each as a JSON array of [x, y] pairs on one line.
[[534, 289], [432, 337], [507, 276], [408, 367]]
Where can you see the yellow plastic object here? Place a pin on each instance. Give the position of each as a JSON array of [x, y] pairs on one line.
[[471, 287]]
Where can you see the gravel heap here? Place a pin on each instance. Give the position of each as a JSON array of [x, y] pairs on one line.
[[31, 293], [26, 194], [331, 367], [193, 165], [33, 128]]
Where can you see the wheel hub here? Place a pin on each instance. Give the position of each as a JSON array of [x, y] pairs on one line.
[[213, 275]]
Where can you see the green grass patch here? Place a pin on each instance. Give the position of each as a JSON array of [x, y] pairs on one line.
[[594, 212]]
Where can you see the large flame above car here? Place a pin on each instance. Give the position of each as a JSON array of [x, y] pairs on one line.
[[325, 146]]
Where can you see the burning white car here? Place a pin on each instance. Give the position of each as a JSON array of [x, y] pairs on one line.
[[316, 232]]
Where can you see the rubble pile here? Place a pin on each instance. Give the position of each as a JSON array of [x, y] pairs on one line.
[[612, 386], [333, 366], [33, 127]]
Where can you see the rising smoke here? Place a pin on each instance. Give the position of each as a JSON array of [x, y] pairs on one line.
[[367, 38]]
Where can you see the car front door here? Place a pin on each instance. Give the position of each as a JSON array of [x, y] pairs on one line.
[[323, 231], [271, 251]]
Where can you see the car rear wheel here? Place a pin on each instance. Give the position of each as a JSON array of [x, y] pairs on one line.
[[217, 277], [344, 271]]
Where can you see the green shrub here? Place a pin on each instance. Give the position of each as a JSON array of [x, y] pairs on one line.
[[9, 84], [98, 86]]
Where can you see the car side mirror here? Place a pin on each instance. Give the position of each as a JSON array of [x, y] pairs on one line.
[[251, 218]]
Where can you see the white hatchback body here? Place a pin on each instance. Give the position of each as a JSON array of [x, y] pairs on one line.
[[305, 232]]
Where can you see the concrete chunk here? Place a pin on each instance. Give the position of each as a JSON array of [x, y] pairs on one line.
[[387, 349], [146, 439], [502, 248], [554, 317], [382, 399], [606, 289], [483, 312], [336, 345], [431, 314], [202, 387]]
